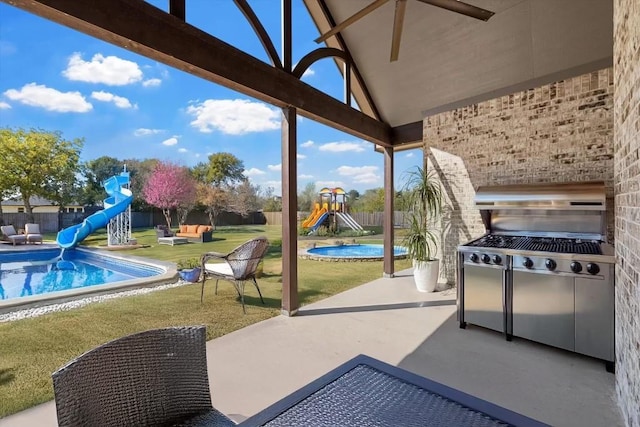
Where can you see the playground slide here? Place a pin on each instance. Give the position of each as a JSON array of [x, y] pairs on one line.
[[311, 216], [318, 222], [348, 219], [119, 199], [309, 223]]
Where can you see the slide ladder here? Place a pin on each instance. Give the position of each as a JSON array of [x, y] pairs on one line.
[[349, 221], [118, 201]]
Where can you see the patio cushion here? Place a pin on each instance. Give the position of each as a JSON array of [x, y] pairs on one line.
[[8, 230], [221, 268], [192, 229], [203, 228]]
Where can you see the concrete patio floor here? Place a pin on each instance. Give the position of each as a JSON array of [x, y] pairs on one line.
[[387, 319]]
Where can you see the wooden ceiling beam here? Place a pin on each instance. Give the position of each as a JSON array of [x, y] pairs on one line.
[[142, 28]]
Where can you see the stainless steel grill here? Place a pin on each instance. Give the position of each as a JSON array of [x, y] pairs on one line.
[[544, 270], [539, 244]]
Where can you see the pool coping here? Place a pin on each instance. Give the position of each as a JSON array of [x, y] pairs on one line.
[[170, 275], [305, 254]]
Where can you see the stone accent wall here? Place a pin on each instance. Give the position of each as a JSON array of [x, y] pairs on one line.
[[627, 193], [560, 132]]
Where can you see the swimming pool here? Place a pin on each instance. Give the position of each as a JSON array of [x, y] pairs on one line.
[[352, 253], [37, 276]]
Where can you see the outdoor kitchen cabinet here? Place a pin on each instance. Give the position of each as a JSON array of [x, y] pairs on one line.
[[594, 301]]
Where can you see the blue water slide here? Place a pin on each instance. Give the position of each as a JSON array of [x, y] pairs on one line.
[[118, 201], [319, 222]]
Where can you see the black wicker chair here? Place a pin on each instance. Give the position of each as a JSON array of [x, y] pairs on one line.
[[153, 378], [236, 267]]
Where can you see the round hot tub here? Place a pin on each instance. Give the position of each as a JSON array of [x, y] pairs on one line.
[[352, 253]]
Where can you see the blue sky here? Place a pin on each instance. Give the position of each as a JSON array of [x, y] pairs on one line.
[[128, 106]]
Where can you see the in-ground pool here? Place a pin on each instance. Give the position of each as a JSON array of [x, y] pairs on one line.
[[352, 253], [41, 275]]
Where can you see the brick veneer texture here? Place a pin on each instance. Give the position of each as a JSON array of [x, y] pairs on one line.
[[627, 193], [560, 132]]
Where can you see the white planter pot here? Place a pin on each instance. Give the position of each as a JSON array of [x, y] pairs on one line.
[[425, 274]]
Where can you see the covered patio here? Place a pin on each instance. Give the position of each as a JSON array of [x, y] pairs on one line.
[[454, 80], [388, 320]]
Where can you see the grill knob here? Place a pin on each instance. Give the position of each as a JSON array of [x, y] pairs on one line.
[[550, 264], [576, 267], [527, 263], [474, 257], [486, 259], [497, 259], [593, 268]]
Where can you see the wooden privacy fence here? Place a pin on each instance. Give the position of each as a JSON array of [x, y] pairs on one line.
[[366, 219], [53, 222]]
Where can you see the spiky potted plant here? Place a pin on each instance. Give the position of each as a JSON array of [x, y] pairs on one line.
[[424, 207]]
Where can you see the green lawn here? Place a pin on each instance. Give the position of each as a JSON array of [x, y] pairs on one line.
[[31, 349]]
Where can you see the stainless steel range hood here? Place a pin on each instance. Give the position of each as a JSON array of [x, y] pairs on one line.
[[576, 209], [569, 196]]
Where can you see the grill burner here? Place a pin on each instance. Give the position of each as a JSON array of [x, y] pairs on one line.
[[541, 244]]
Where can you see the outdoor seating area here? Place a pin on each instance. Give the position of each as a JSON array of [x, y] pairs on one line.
[[9, 234], [196, 233], [238, 266], [31, 234]]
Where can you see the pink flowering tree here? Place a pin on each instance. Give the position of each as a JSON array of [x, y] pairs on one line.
[[170, 187]]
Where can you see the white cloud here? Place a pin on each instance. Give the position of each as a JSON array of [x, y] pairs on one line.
[[151, 83], [308, 72], [182, 150], [307, 144], [119, 101], [145, 131], [234, 116], [409, 155], [301, 156], [110, 70], [342, 146], [360, 174], [330, 184], [4, 105], [303, 176], [50, 99], [254, 172], [277, 167], [171, 141]]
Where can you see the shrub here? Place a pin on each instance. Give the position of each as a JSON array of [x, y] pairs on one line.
[[188, 263]]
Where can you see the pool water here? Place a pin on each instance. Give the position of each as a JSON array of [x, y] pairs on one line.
[[355, 251], [24, 274]]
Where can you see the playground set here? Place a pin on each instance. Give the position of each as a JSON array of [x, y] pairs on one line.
[[331, 212]]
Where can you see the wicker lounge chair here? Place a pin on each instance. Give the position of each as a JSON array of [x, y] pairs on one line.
[[237, 266], [32, 232], [10, 234], [153, 378]]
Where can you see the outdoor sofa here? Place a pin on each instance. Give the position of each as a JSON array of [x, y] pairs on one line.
[[196, 233]]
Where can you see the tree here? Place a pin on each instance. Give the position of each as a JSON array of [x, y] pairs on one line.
[[243, 198], [170, 187], [308, 196], [222, 168], [95, 172], [371, 201], [217, 177], [139, 172], [270, 202], [38, 163], [214, 200]]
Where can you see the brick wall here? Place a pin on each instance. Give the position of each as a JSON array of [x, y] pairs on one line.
[[627, 191], [561, 132]]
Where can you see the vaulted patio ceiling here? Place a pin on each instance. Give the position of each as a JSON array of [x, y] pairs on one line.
[[448, 60]]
